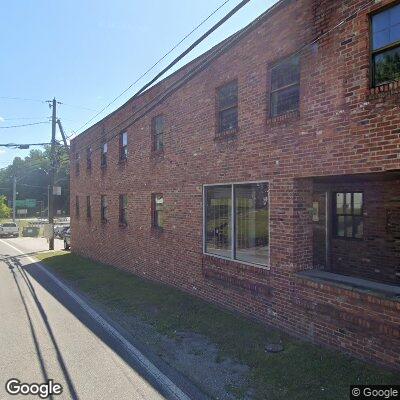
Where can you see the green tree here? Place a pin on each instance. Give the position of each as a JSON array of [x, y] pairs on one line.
[[32, 173], [5, 211]]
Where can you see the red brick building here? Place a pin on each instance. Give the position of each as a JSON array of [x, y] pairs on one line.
[[264, 176]]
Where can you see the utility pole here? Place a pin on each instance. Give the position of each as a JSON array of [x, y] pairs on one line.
[[52, 172], [14, 196]]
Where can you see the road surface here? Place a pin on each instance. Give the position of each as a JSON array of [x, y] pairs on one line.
[[45, 334]]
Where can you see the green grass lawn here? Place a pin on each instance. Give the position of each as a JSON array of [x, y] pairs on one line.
[[301, 371]]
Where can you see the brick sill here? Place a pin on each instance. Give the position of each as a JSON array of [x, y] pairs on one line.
[[290, 116], [226, 135], [382, 290], [387, 89]]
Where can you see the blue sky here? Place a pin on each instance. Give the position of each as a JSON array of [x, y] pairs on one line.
[[87, 52]]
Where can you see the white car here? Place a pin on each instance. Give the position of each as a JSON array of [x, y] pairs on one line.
[[9, 229]]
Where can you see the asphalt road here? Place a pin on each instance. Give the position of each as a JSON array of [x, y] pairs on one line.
[[45, 334]]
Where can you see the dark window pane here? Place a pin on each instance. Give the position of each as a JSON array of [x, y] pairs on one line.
[[286, 73], [387, 66], [358, 227], [358, 203], [218, 229], [228, 119], [348, 220], [340, 226], [228, 96], [252, 233], [159, 125], [158, 132], [285, 100], [159, 142]]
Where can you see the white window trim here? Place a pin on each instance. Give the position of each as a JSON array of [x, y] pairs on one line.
[[232, 259]]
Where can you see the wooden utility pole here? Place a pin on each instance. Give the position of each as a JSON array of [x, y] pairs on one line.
[[52, 172]]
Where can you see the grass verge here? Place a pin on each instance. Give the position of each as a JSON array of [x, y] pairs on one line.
[[301, 371]]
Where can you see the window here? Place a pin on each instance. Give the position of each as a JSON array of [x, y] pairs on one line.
[[104, 209], [77, 206], [158, 210], [77, 162], [104, 149], [158, 133], [123, 146], [236, 224], [228, 107], [386, 45], [88, 208], [89, 158], [285, 87], [123, 205], [348, 215]]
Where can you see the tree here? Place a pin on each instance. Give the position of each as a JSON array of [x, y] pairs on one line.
[[5, 211], [32, 173]]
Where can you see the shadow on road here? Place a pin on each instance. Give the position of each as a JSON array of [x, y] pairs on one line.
[[15, 264], [32, 271]]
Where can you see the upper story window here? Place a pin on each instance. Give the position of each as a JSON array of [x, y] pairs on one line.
[[77, 162], [228, 107], [285, 87], [348, 215], [236, 224], [157, 210], [123, 206], [89, 157], [158, 132], [88, 208], [123, 146], [386, 45], [104, 209], [104, 149]]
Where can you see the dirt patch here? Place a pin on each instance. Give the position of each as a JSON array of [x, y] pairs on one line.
[[194, 356]]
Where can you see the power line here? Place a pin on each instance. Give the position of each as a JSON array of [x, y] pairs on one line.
[[21, 98], [154, 65], [21, 118], [21, 126], [22, 145], [214, 53], [76, 106]]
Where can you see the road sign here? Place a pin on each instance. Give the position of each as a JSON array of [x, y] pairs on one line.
[[27, 203], [22, 211]]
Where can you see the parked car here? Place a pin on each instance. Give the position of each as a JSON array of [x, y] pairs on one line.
[[60, 230], [67, 239], [9, 229]]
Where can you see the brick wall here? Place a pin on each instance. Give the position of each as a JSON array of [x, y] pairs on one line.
[[342, 127]]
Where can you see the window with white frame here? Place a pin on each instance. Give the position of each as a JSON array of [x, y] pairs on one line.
[[236, 222]]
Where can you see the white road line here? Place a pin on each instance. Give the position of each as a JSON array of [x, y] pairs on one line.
[[149, 367]]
